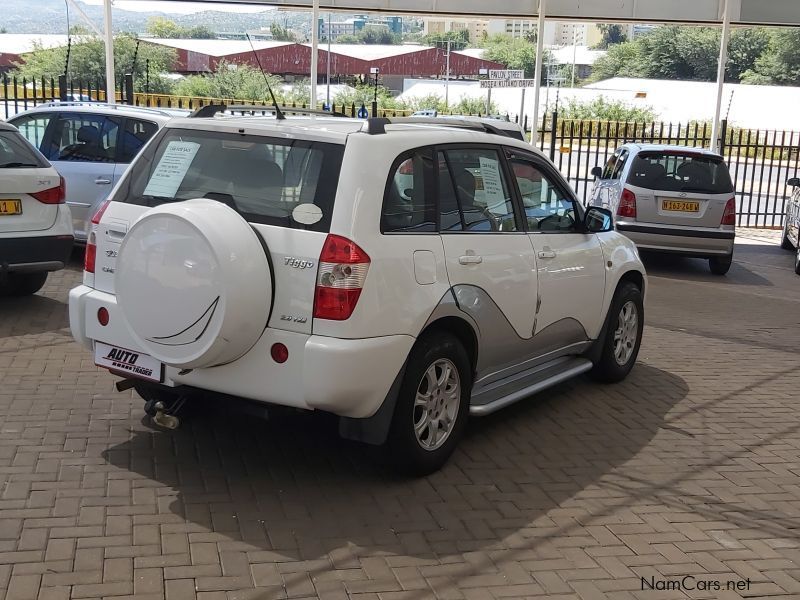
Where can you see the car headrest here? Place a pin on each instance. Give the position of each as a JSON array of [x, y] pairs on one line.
[[88, 134]]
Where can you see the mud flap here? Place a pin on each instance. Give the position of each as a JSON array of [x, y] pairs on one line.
[[375, 429]]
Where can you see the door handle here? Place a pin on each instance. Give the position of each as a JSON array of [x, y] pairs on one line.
[[470, 259], [102, 181], [547, 254]]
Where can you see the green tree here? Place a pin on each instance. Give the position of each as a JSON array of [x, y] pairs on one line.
[[87, 62], [780, 62], [458, 39], [378, 35], [237, 82], [514, 53], [745, 48], [604, 110], [364, 94], [165, 28], [281, 33], [612, 34]]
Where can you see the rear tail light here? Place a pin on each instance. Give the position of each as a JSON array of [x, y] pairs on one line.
[[729, 215], [91, 241], [53, 195], [627, 204], [342, 270]]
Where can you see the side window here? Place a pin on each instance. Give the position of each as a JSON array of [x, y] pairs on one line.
[[482, 193], [408, 204], [547, 207], [33, 127], [134, 136], [617, 173], [83, 138]]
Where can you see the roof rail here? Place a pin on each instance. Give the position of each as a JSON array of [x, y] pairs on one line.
[[377, 125], [211, 109], [150, 109]]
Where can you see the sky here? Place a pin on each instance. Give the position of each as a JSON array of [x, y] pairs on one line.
[[178, 7]]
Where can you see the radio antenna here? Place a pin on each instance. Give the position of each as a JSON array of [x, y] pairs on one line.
[[278, 112]]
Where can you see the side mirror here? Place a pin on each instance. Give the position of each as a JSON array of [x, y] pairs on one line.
[[793, 182], [598, 220], [597, 172]]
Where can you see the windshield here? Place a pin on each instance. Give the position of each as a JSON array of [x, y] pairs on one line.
[[264, 179], [680, 172]]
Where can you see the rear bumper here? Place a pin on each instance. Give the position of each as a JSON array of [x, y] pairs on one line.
[[36, 253], [694, 241], [349, 378]]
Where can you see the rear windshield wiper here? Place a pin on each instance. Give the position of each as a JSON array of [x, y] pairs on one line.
[[16, 165], [698, 190]]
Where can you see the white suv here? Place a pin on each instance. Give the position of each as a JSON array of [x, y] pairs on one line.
[[401, 275], [35, 229]]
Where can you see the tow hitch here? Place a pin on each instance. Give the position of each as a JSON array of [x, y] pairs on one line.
[[165, 416]]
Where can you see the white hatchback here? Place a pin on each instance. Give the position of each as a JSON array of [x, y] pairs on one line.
[[398, 274], [35, 229]]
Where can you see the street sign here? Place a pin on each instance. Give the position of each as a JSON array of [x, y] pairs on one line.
[[506, 74], [507, 83]]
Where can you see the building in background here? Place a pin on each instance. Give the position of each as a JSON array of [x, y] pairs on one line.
[[336, 29], [475, 28]]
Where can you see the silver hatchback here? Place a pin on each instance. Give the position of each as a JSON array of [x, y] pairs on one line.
[[671, 199]]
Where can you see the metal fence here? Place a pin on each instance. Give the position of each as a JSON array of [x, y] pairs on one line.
[[760, 161]]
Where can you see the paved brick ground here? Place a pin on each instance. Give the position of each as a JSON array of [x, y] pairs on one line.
[[690, 467]]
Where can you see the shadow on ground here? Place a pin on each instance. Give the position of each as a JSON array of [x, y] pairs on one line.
[[29, 315], [673, 266], [290, 485]]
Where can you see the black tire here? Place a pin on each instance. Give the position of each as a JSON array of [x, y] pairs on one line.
[[607, 368], [22, 284], [797, 260], [785, 243], [720, 266], [405, 450]]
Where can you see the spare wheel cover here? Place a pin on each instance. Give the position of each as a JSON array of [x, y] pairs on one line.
[[193, 283]]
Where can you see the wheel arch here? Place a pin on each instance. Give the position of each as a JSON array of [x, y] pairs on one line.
[[462, 330]]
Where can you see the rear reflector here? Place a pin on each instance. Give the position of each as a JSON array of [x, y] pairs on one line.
[[627, 204], [342, 271], [54, 195], [280, 353], [729, 215], [102, 316], [90, 257]]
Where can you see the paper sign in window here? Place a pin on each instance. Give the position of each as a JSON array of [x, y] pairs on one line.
[[493, 193], [171, 169]]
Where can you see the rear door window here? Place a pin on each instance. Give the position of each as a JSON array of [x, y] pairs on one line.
[[83, 137], [134, 136], [680, 172], [264, 179]]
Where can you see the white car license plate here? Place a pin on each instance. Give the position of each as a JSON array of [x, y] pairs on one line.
[[135, 364]]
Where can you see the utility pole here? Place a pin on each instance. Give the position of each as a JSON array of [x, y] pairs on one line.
[[314, 50], [111, 97], [447, 78], [723, 63], [328, 77], [574, 51]]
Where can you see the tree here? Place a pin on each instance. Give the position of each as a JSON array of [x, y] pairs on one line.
[[281, 33], [165, 28], [458, 39], [780, 62], [688, 53], [87, 62], [605, 110], [230, 82], [612, 34], [514, 53], [376, 35]]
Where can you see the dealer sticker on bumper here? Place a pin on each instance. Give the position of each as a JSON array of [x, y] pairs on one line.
[[132, 363]]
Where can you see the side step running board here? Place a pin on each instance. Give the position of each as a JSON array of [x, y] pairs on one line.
[[576, 368]]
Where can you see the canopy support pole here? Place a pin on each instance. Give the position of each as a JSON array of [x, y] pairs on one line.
[[314, 51], [723, 63], [537, 86], [111, 94]]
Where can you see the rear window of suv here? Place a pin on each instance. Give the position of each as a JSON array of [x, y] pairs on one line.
[[680, 172], [16, 152], [264, 179]]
